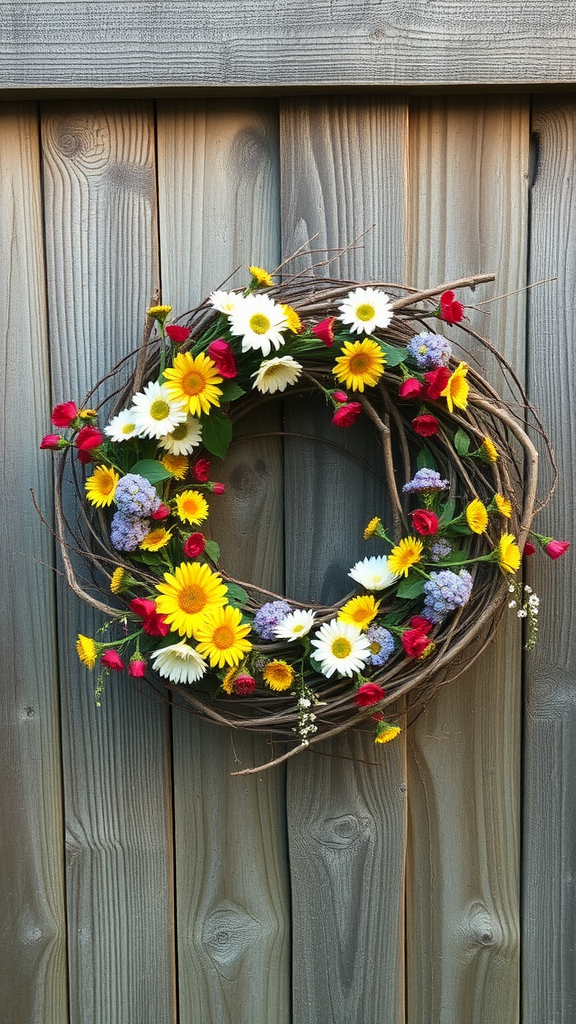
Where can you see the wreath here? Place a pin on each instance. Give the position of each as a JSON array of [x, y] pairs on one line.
[[461, 480]]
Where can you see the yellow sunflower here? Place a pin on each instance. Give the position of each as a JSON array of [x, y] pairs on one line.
[[360, 611], [292, 319], [156, 539], [406, 554], [262, 277], [509, 556], [278, 675], [222, 635], [187, 594], [117, 580], [192, 507], [503, 505], [372, 528], [457, 388], [101, 486], [476, 516], [488, 450], [175, 464], [194, 380], [385, 732], [360, 365], [87, 650], [159, 312]]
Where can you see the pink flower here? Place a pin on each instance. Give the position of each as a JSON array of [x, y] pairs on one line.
[[153, 623], [111, 659], [347, 414], [368, 694], [201, 471], [424, 522], [137, 668], [177, 333], [324, 331], [436, 381], [556, 548], [414, 642], [221, 354], [88, 438], [451, 310], [411, 388], [425, 425], [419, 622], [194, 545], [217, 488], [529, 548], [63, 415], [244, 686], [340, 396], [162, 512], [52, 441]]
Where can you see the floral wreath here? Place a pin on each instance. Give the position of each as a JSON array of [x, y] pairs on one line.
[[419, 613]]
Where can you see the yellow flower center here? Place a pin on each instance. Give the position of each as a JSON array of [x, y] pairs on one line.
[[259, 323], [341, 648], [179, 432], [193, 383], [298, 627], [223, 637], [159, 409], [359, 363], [192, 599], [375, 647], [128, 428], [190, 506], [365, 312], [107, 484]]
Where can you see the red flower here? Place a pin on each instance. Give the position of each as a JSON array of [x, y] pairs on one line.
[[419, 622], [529, 548], [84, 457], [451, 310], [424, 522], [52, 441], [137, 668], [425, 425], [414, 642], [194, 545], [340, 397], [88, 438], [244, 686], [152, 622], [178, 334], [111, 659], [436, 381], [324, 331], [162, 512], [63, 415], [556, 548], [411, 388], [368, 694], [217, 488], [347, 414], [201, 471], [221, 354]]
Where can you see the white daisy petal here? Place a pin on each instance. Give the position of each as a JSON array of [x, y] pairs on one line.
[[373, 573], [259, 321], [295, 624], [365, 309], [122, 426], [180, 663], [340, 647], [223, 301], [276, 374], [184, 438], [155, 413]]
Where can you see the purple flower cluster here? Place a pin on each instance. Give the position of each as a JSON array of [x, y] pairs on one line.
[[440, 549], [426, 480], [429, 351], [381, 644], [445, 591], [268, 617], [136, 496], [126, 532]]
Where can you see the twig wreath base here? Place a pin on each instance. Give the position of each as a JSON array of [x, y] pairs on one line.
[[461, 474]]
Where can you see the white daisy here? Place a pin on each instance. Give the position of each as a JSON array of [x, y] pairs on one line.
[[224, 301], [295, 624], [259, 321], [155, 413], [340, 647], [276, 374], [180, 663], [184, 438], [122, 426], [373, 573], [364, 309]]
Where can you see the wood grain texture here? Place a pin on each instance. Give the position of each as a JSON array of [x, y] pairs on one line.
[[218, 197], [469, 166], [549, 862], [306, 43], [33, 983], [99, 198], [343, 169]]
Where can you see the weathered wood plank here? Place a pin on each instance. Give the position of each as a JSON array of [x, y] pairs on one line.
[[549, 861], [469, 165], [218, 196], [33, 984], [305, 43], [101, 269], [343, 170]]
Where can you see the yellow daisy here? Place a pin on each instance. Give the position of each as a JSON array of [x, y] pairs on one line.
[[361, 364], [87, 650], [292, 319], [194, 380], [192, 507], [503, 505], [457, 388], [175, 464], [101, 486], [406, 554], [222, 635], [488, 450], [262, 277], [477, 516], [372, 528], [360, 611], [228, 681], [278, 675], [158, 312], [509, 556], [156, 539], [385, 732], [187, 594], [117, 580]]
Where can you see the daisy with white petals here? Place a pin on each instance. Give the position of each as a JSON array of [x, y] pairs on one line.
[[373, 573], [122, 426], [180, 663], [365, 309], [296, 624], [184, 438], [224, 302], [341, 648], [276, 374], [259, 321], [155, 413]]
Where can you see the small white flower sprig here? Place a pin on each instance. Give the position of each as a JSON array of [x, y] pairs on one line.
[[460, 520]]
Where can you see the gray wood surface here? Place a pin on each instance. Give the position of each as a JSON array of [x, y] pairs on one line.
[[549, 842], [33, 983], [99, 194], [186, 44]]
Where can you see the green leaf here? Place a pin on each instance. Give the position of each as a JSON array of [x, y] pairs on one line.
[[456, 556], [447, 512], [410, 588], [394, 356], [230, 391], [461, 442], [213, 551], [425, 460], [216, 434], [236, 595], [151, 470]]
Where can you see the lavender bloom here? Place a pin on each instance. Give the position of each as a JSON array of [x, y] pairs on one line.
[[440, 549], [381, 645], [429, 350], [136, 496], [426, 480], [268, 617], [445, 591], [126, 532]]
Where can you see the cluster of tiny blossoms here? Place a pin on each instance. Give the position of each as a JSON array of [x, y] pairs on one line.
[[150, 477]]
